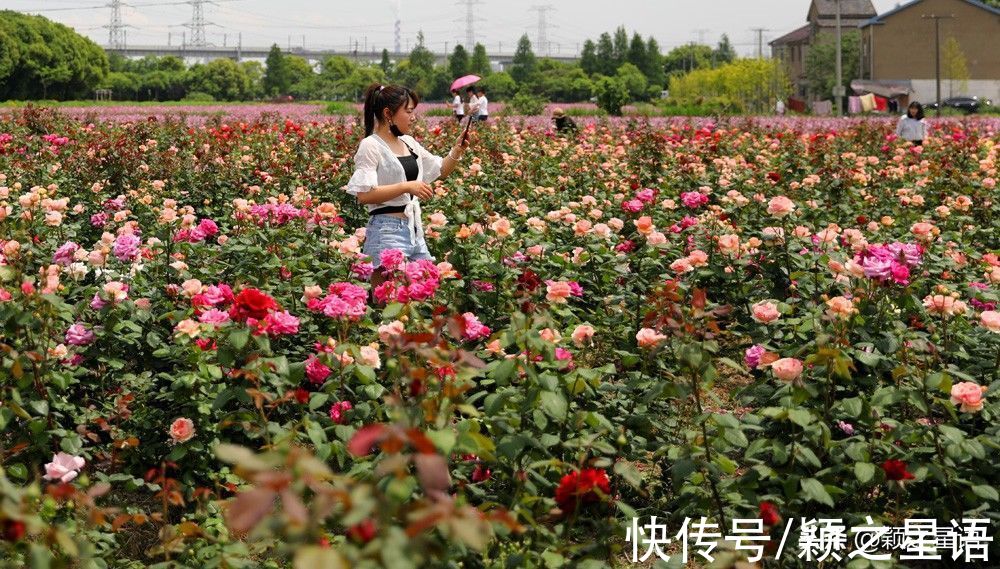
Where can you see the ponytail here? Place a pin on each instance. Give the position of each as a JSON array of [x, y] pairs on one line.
[[378, 98]]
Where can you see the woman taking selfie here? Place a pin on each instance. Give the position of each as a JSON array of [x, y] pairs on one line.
[[393, 172]]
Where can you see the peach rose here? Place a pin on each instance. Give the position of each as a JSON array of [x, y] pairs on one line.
[[841, 308], [182, 430], [698, 258], [990, 320], [583, 334], [649, 338], [644, 225], [968, 395], [787, 369], [557, 292], [780, 206], [729, 244], [765, 312]]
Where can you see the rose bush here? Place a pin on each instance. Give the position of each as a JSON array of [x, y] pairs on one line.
[[734, 320]]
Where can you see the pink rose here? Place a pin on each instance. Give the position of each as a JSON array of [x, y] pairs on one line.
[[649, 338], [787, 369], [583, 334], [64, 467], [182, 430], [968, 395], [557, 291], [780, 206], [990, 320], [765, 312]]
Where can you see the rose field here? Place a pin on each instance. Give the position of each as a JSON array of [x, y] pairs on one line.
[[758, 320]]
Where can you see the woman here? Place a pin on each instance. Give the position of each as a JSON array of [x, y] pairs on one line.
[[912, 125], [393, 172], [457, 106], [483, 106]]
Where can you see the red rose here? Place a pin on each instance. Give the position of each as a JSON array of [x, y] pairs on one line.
[[13, 530], [769, 514], [362, 532], [581, 487], [896, 470], [251, 303]]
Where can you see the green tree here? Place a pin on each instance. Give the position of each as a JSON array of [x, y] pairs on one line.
[[606, 55], [458, 63], [417, 72], [562, 82], [654, 64], [499, 85], [300, 76], [821, 63], [634, 81], [611, 93], [386, 63], [588, 58], [687, 58], [480, 64], [724, 52], [223, 79], [42, 59], [276, 78], [637, 52], [524, 64], [254, 71], [955, 67], [746, 85], [619, 52]]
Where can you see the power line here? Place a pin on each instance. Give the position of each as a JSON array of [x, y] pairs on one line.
[[760, 40]]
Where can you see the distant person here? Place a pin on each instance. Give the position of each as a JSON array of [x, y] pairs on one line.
[[779, 107], [484, 105], [473, 104], [894, 105], [912, 125], [564, 124], [457, 105]]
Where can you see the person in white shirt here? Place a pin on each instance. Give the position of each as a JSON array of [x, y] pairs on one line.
[[473, 104], [457, 105], [779, 107], [484, 105], [912, 125], [393, 172]]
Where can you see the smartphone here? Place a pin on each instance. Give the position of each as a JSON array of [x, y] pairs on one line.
[[465, 133]]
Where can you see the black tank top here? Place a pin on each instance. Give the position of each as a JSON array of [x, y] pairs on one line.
[[409, 164]]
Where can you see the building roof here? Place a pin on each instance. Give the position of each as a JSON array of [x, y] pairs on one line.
[[880, 19], [848, 8], [799, 35]]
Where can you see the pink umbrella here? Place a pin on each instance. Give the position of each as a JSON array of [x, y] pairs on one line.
[[464, 81]]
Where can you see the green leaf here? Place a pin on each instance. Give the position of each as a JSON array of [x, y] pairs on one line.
[[239, 338], [554, 404], [800, 417], [813, 489], [865, 471], [629, 473], [986, 492]]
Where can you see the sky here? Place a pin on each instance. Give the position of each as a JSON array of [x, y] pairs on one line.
[[338, 24]]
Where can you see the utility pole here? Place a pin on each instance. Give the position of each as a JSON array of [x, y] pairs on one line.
[[937, 54], [543, 28], [760, 40], [701, 35], [838, 90]]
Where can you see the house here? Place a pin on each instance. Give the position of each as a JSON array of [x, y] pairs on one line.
[[821, 19], [899, 47]]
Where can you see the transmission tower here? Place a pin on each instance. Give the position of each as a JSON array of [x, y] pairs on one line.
[[701, 35], [543, 28], [116, 29], [470, 20], [197, 25], [398, 24]]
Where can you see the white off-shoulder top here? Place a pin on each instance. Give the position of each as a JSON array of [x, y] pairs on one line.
[[375, 164]]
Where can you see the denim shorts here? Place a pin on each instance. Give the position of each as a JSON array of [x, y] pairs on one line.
[[390, 232]]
